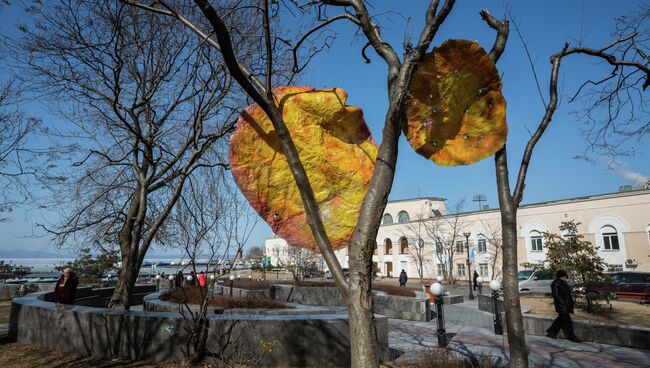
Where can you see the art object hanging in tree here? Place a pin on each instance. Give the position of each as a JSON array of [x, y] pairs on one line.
[[456, 114], [336, 150]]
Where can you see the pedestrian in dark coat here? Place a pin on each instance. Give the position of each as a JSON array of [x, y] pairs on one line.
[[178, 280], [564, 303], [65, 291], [403, 278]]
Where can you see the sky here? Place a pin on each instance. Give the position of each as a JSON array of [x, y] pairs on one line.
[[554, 172]]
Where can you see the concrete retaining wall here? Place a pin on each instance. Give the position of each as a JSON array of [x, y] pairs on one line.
[[416, 308], [153, 303], [8, 291], [263, 340], [593, 331]]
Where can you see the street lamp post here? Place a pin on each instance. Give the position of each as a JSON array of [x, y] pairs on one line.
[[232, 279], [479, 280], [469, 271], [157, 283], [437, 290], [498, 326], [421, 249]]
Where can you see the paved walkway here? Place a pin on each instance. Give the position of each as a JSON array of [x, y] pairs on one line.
[[471, 331]]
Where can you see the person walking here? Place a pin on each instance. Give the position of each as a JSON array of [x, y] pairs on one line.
[[178, 281], [403, 278], [563, 301], [65, 291], [475, 278], [191, 280], [202, 279]]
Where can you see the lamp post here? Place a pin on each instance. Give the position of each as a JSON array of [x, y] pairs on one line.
[[421, 255], [437, 290], [171, 281], [479, 280], [469, 271], [157, 283], [498, 327], [232, 279]]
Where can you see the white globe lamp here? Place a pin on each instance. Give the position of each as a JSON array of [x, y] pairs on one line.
[[495, 285], [436, 289]]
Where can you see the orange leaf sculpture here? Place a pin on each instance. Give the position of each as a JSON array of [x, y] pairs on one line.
[[456, 114], [335, 147]]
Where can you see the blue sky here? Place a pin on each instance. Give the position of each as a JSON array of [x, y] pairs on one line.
[[546, 25]]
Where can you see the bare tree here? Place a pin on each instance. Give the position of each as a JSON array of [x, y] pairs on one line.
[[149, 104], [494, 246], [16, 157], [614, 106], [444, 231], [299, 259], [509, 201], [209, 223]]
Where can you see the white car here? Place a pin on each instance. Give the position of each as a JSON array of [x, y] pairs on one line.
[[535, 281], [328, 274]]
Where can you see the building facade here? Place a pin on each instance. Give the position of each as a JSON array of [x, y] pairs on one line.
[[421, 237]]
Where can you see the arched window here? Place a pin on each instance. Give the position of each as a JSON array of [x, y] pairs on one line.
[[536, 242], [482, 244], [403, 216], [610, 238], [387, 219], [403, 245], [388, 244], [421, 243]]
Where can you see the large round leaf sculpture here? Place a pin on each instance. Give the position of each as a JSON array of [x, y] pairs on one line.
[[456, 114], [335, 147]]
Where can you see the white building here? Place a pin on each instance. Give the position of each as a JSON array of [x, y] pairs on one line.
[[419, 233]]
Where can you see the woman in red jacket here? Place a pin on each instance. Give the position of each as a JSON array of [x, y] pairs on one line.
[[66, 288]]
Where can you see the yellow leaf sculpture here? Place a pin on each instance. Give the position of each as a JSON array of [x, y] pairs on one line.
[[456, 114], [335, 147]]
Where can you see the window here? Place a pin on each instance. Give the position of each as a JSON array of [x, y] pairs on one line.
[[387, 219], [403, 216], [482, 245], [536, 241], [635, 278], [460, 246], [483, 269], [460, 269], [403, 245], [439, 248], [610, 238], [388, 244], [614, 268]]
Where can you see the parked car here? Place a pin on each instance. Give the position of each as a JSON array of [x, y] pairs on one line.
[[346, 273], [536, 282], [624, 284], [312, 272]]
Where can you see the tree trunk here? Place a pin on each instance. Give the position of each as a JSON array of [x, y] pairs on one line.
[[121, 298], [363, 339], [514, 320]]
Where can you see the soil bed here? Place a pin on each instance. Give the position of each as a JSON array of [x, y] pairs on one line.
[[192, 295], [389, 289], [623, 313]]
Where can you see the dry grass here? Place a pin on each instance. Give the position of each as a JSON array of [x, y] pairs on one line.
[[394, 290], [626, 313], [442, 358], [389, 289], [249, 284], [27, 356], [192, 295]]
